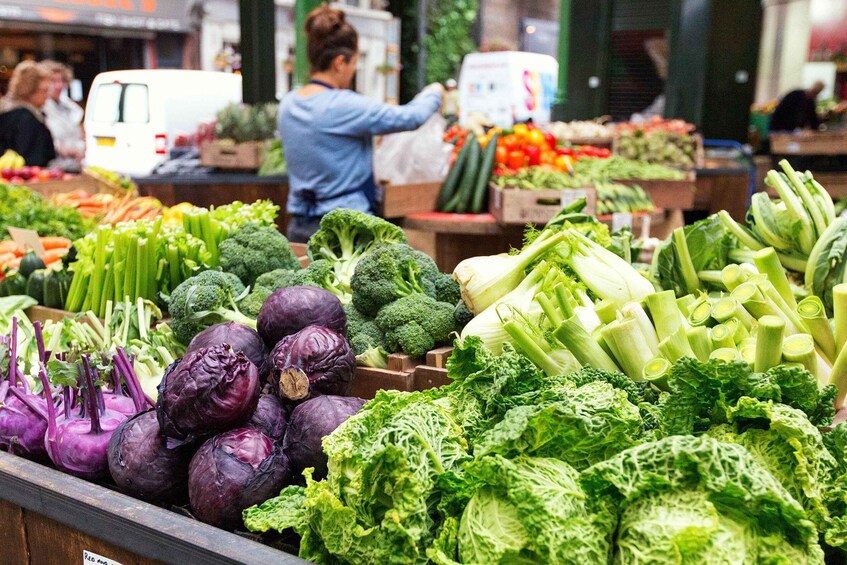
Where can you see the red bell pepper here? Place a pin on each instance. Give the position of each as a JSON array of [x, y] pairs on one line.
[[533, 155]]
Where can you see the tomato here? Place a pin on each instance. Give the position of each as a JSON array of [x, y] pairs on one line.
[[533, 155], [501, 155], [517, 159], [521, 131], [511, 142], [565, 150], [564, 162], [536, 138], [604, 153]]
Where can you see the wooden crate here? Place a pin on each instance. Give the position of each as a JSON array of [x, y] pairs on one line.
[[299, 250], [809, 143], [404, 199], [434, 373], [44, 314], [668, 194], [517, 206], [398, 375], [48, 188], [243, 156]]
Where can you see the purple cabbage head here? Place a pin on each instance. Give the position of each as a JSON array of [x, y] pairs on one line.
[[270, 417], [143, 466], [289, 310], [233, 471], [239, 337], [210, 390], [310, 422], [312, 362]]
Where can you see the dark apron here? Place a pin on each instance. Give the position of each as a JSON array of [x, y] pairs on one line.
[[311, 199]]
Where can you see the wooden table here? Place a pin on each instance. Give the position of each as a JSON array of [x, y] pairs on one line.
[[217, 189]]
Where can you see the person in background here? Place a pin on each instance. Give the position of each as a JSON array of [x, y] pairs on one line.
[[797, 110], [450, 105], [22, 126], [327, 130], [64, 118]]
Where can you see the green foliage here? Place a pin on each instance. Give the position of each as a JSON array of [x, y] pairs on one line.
[[449, 37], [23, 208]]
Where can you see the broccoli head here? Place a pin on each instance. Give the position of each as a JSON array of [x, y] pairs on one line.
[[391, 272], [251, 304], [252, 250], [280, 278], [416, 323], [204, 300], [345, 236], [447, 289], [462, 315], [362, 331]]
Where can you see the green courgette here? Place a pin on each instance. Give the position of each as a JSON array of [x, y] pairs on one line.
[[484, 175], [56, 288], [13, 283], [29, 263], [448, 187], [460, 201], [35, 284]]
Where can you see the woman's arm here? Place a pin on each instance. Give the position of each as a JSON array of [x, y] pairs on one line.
[[362, 116]]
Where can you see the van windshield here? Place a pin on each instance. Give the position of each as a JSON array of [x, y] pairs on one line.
[[117, 102]]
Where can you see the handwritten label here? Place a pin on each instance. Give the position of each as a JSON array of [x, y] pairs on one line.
[[621, 220], [89, 557], [570, 196], [28, 239]]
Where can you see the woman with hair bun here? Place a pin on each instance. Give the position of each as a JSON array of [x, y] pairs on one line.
[[327, 129]]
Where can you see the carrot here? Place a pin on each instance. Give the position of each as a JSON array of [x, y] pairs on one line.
[[53, 255], [55, 242], [8, 246], [13, 264]]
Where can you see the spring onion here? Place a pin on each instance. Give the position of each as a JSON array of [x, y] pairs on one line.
[[769, 337], [727, 308], [721, 337], [811, 311]]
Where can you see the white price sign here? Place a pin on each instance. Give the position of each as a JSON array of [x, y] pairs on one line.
[[570, 196], [91, 558], [621, 220]]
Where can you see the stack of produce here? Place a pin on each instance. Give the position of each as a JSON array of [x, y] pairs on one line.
[[619, 168], [466, 187], [615, 198], [661, 148], [567, 132], [113, 179], [108, 208], [274, 160], [22, 208], [655, 125], [240, 123]]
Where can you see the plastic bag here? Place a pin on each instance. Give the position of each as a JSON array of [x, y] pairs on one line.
[[413, 157]]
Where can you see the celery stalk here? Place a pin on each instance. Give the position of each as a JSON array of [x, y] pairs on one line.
[[727, 308], [811, 310], [701, 345], [635, 311], [676, 346], [800, 348], [628, 343], [839, 309], [768, 264], [583, 346], [554, 316], [769, 337], [656, 372], [665, 313], [606, 311], [689, 273], [721, 337], [129, 272], [732, 276], [727, 354], [563, 299]]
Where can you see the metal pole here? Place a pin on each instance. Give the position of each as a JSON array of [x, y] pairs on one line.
[[301, 55], [563, 51], [422, 25]]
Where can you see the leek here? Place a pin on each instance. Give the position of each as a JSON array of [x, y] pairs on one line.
[[839, 309], [769, 338], [732, 276], [684, 303], [665, 313], [727, 354], [737, 330], [768, 264], [656, 372], [721, 337], [634, 311], [625, 339], [838, 377], [811, 311], [727, 308], [818, 218], [794, 205], [528, 341], [584, 347], [701, 313], [676, 346], [606, 311], [800, 348], [747, 350], [701, 345]]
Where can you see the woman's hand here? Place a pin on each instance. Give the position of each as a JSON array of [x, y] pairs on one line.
[[435, 87]]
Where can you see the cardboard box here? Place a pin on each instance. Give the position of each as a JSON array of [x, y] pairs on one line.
[[221, 155], [518, 206]]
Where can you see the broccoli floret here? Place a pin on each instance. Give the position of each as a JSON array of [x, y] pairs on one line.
[[252, 250], [281, 278], [251, 304], [204, 300], [391, 272], [416, 323], [362, 331], [322, 273], [447, 289], [462, 315], [345, 236]]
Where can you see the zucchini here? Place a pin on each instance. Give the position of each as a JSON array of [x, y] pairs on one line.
[[484, 175], [56, 287], [35, 284], [13, 284], [448, 187], [29, 263], [459, 202]]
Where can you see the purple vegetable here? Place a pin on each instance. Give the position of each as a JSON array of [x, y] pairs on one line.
[[270, 417], [312, 362], [79, 445], [209, 391], [310, 422], [142, 465], [241, 338], [289, 310], [233, 471]]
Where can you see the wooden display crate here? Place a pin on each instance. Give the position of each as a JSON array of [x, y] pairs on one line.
[[668, 194], [244, 156], [89, 183], [433, 374], [809, 143], [403, 199], [398, 375], [519, 206], [299, 250], [44, 314]]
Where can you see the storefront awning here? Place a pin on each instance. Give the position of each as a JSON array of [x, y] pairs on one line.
[[149, 15]]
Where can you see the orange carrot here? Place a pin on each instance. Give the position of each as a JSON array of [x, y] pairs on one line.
[[53, 255], [55, 242]]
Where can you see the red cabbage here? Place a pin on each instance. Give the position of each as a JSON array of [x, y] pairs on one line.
[[289, 310], [240, 337], [270, 417], [312, 362]]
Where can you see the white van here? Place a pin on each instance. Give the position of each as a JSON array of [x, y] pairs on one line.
[[133, 117]]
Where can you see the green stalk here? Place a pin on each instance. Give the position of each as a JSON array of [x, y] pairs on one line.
[[584, 347], [635, 311], [727, 308], [686, 266], [744, 236], [606, 311], [839, 309], [824, 200], [768, 263], [800, 348], [721, 337], [628, 343], [129, 272], [726, 354], [676, 346], [769, 337], [107, 325], [553, 315], [793, 323], [684, 303], [747, 350], [701, 345], [754, 301], [737, 330], [96, 289], [806, 236], [656, 372], [811, 310], [563, 300], [713, 277], [604, 345], [838, 377], [701, 313], [108, 292], [665, 313], [530, 347], [732, 276], [818, 218]]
